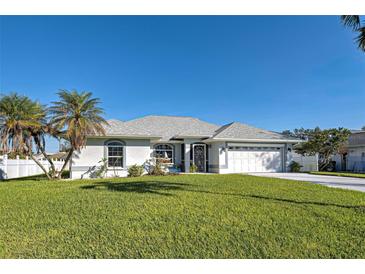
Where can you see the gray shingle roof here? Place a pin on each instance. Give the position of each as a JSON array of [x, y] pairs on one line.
[[357, 131], [242, 131], [166, 127]]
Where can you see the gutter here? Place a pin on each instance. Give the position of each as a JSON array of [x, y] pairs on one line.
[[125, 136], [191, 136], [255, 140]]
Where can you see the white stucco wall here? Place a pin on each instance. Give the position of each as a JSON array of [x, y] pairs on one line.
[[136, 152], [213, 156], [219, 152]]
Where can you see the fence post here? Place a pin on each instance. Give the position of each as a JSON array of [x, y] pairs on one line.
[[27, 165], [317, 162], [17, 166], [5, 163]]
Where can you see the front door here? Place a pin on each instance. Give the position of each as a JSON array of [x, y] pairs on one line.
[[199, 157]]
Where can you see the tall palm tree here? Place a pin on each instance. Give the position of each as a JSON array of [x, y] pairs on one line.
[[20, 119], [76, 115], [354, 22]]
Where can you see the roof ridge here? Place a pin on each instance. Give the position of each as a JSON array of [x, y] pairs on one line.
[[222, 128], [171, 116], [114, 119], [176, 116]]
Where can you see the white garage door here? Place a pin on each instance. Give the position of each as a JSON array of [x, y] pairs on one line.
[[254, 159]]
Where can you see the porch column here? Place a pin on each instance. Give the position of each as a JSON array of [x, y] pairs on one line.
[[187, 156], [286, 158]]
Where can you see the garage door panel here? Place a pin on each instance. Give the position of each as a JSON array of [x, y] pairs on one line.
[[237, 164], [255, 160]]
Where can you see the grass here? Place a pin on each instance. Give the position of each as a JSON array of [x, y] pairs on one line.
[[185, 216], [343, 174]]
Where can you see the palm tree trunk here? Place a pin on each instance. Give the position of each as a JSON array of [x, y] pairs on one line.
[[41, 166], [29, 150], [324, 164], [66, 162], [46, 156]]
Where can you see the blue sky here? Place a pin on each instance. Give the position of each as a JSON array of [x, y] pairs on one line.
[[274, 72]]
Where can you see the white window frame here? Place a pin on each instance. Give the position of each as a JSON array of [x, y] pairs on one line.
[[171, 149], [120, 144]]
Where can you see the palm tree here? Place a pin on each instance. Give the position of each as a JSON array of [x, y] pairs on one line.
[[76, 115], [354, 22], [20, 119]]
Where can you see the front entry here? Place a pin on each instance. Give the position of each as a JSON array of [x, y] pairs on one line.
[[199, 157]]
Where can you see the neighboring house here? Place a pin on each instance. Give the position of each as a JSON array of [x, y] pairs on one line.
[[56, 156], [352, 157], [181, 142]]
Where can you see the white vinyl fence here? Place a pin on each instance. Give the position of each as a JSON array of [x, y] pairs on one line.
[[308, 163], [14, 168], [353, 163]]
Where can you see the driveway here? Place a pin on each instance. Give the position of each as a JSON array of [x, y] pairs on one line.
[[331, 181]]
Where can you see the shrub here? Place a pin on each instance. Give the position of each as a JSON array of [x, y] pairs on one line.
[[99, 171], [158, 169], [294, 166], [193, 168], [135, 171], [154, 168]]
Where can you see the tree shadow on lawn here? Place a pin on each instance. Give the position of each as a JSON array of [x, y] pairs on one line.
[[139, 187], [275, 199], [160, 188]]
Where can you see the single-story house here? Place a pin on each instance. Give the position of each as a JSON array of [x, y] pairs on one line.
[[352, 156], [182, 142]]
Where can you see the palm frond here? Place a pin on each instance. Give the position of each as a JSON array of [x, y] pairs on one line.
[[360, 39], [79, 115], [351, 21]]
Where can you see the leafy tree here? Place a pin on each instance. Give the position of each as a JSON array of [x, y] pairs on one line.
[[354, 22], [363, 128], [76, 115], [299, 133], [326, 143]]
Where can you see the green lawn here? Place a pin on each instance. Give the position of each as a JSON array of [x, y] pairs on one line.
[[183, 216], [343, 174]]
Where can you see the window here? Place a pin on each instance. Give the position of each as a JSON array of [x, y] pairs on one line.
[[164, 153], [115, 154]]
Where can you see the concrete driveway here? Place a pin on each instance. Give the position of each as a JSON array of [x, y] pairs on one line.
[[331, 181]]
